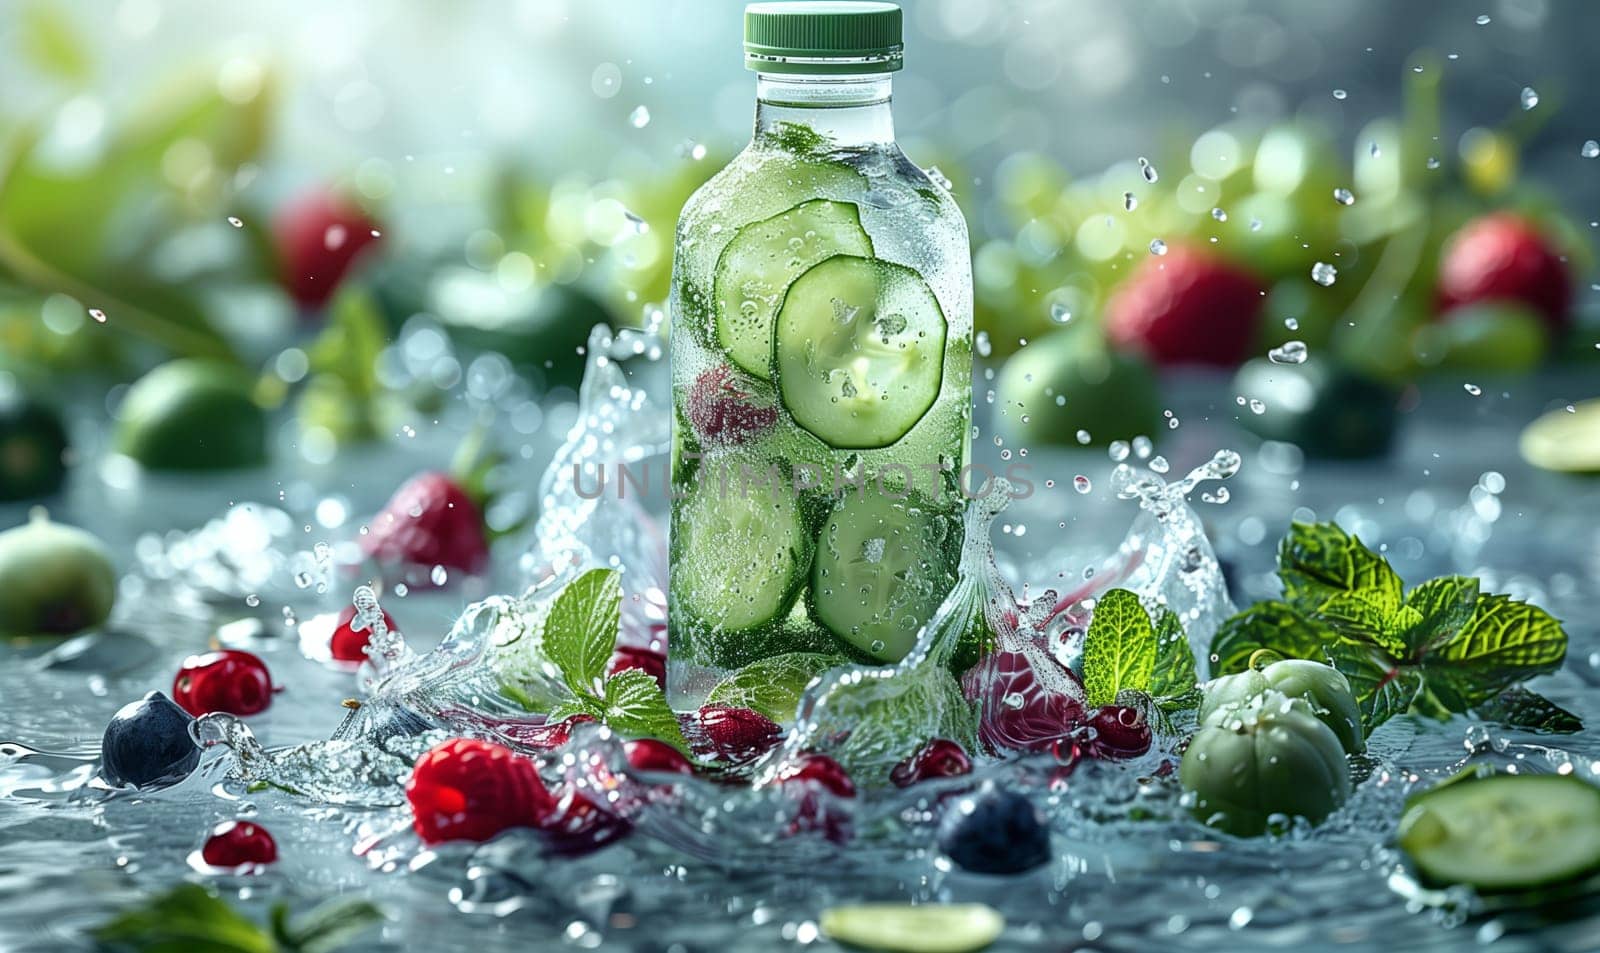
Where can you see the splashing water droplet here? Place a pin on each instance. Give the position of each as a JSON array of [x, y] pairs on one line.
[[1081, 484], [1118, 450], [1129, 203], [1059, 313], [1483, 19], [1142, 447], [1257, 407], [1150, 174], [1472, 389], [252, 600], [439, 576], [1340, 94], [1159, 464], [1590, 150], [1292, 324], [1529, 97], [235, 221], [1158, 247], [639, 118], [1373, 150], [1324, 274], [1219, 215], [1344, 196], [639, 225], [982, 344], [1255, 224], [1432, 163], [98, 315], [1084, 436], [1291, 352]]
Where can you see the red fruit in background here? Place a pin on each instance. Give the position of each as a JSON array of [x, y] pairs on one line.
[[228, 680], [939, 758], [723, 409], [1120, 731], [318, 236], [649, 661], [430, 521], [1188, 306], [737, 734], [348, 645], [1020, 712], [818, 769], [236, 843], [465, 789], [1504, 257], [648, 754]]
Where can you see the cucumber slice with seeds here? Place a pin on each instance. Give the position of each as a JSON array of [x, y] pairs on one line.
[[882, 567], [859, 351], [1505, 832], [764, 259]]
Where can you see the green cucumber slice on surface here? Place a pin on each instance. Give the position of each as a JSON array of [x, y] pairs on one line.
[[1506, 832], [882, 567], [859, 351], [764, 259], [924, 928], [739, 553]]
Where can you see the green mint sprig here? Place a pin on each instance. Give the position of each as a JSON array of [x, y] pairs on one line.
[[1445, 647], [190, 917], [1125, 651]]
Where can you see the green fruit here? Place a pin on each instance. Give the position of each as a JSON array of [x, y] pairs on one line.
[[54, 579], [1493, 337], [544, 327], [192, 415], [32, 444], [1322, 686], [924, 928], [1567, 441], [1251, 767], [1069, 381], [1326, 410]]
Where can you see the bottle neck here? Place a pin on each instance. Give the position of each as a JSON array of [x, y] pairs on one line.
[[847, 110]]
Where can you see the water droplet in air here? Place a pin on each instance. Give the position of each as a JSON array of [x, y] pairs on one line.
[[1158, 247], [1344, 196], [1340, 94], [1159, 464], [639, 118], [1142, 446], [1149, 170], [98, 315], [1257, 407], [1373, 150], [1219, 215], [1081, 483], [235, 221], [1059, 313], [1292, 324], [982, 345], [1118, 450], [1472, 389], [1292, 352], [1084, 436], [639, 225], [252, 600], [1529, 98], [1129, 202], [439, 575], [1432, 163], [1483, 19], [1324, 274], [1255, 224], [1590, 150]]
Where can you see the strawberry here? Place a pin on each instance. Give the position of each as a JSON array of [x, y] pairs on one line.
[[939, 758], [348, 645], [1504, 257], [649, 661], [1186, 307], [237, 843], [466, 789], [228, 680], [648, 754], [1120, 732], [318, 237], [735, 734], [430, 521], [723, 409]]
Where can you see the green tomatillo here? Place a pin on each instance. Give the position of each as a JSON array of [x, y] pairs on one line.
[[54, 579], [1323, 687]]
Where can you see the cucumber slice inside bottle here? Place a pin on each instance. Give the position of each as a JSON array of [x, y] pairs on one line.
[[739, 552], [763, 259], [882, 567], [1504, 833], [859, 351]]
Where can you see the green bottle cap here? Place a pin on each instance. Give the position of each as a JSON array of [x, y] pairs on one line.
[[822, 37]]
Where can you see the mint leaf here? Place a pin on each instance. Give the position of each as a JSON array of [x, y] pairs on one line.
[[1174, 672], [581, 705], [1266, 625], [1505, 643], [1520, 708], [634, 705], [1441, 608], [1319, 560], [1382, 689], [1119, 651], [772, 686], [187, 917], [581, 631], [324, 928], [1365, 616]]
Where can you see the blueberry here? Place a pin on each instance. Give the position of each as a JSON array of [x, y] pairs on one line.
[[147, 744], [995, 832]]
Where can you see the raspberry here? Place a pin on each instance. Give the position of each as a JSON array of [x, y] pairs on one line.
[[430, 521], [818, 769], [737, 734], [1186, 307], [1120, 732], [319, 237], [465, 789], [1018, 712]]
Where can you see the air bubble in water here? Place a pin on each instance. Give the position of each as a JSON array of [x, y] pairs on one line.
[[1081, 484], [1324, 274], [1257, 407], [1344, 196], [1158, 247], [1590, 150], [982, 344], [252, 600], [1529, 97], [639, 118], [1149, 170], [1291, 352]]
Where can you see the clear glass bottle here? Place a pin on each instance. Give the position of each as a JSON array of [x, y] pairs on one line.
[[821, 368]]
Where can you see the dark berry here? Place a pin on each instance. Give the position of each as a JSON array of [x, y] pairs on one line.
[[348, 645], [466, 789], [648, 754], [228, 680], [737, 734], [147, 744], [723, 409], [650, 662], [995, 832], [939, 758], [236, 843], [1119, 731]]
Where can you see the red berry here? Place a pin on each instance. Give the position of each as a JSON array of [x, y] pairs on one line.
[[1188, 306], [723, 409], [1020, 711], [648, 754], [650, 662], [939, 758], [818, 769], [236, 843], [348, 645], [1504, 257], [574, 824], [737, 734], [227, 680], [430, 521], [466, 789], [1120, 731], [318, 236]]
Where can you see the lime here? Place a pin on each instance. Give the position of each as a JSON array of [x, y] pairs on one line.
[[1565, 439], [923, 928], [1327, 411], [192, 415], [1069, 382], [1490, 337]]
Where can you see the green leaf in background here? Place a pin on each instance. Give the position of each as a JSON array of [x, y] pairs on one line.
[[1276, 626], [1520, 708], [635, 706], [1320, 560], [1119, 651], [53, 44], [1174, 673], [581, 631], [326, 927], [1442, 608], [772, 686], [190, 919], [343, 394]]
